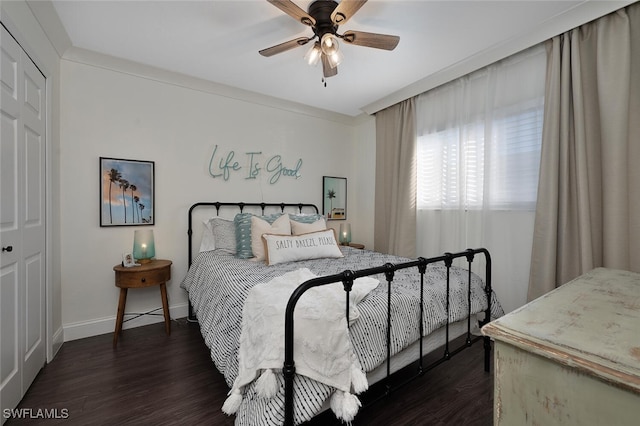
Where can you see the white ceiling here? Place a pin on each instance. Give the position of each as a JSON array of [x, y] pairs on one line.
[[219, 41]]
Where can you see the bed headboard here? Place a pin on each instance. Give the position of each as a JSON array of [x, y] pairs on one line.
[[206, 210]]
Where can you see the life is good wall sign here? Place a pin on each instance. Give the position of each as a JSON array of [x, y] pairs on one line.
[[251, 165]]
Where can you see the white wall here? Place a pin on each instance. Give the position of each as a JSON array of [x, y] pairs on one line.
[[111, 113]]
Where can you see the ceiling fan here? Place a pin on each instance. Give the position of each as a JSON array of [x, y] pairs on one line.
[[324, 17]]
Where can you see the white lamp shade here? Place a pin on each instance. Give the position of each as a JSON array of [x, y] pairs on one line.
[[335, 58], [329, 44], [313, 55]]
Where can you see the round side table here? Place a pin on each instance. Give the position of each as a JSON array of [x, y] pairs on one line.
[[157, 272]]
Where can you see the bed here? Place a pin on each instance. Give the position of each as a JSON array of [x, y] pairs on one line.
[[413, 307]]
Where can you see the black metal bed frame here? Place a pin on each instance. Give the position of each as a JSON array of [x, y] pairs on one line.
[[241, 207], [347, 278]]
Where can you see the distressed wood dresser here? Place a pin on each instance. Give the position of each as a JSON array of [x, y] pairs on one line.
[[572, 356]]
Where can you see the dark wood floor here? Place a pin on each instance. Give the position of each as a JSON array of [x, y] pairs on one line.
[[155, 379]]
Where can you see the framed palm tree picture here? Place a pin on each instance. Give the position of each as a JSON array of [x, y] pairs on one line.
[[127, 192], [334, 198]]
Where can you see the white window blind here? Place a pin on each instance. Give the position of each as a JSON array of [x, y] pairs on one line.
[[479, 140]]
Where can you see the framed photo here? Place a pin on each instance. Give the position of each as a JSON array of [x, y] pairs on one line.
[[128, 261], [127, 192], [334, 196]]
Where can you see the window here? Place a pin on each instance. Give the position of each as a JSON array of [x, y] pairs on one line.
[[479, 143], [479, 146]]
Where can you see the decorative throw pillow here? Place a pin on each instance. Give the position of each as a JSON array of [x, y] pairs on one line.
[[290, 248], [208, 242], [224, 234], [243, 232], [259, 227], [299, 228], [305, 217], [218, 234]]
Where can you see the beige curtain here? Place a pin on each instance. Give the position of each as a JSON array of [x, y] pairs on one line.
[[395, 203], [588, 208]]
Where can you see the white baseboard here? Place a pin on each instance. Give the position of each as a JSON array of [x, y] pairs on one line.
[[80, 330], [56, 343]]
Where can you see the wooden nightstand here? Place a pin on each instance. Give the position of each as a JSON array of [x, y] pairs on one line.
[[356, 245], [156, 272]]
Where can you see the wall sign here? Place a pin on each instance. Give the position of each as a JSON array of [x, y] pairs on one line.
[[250, 165]]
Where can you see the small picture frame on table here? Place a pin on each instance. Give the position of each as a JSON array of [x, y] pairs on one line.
[[128, 261]]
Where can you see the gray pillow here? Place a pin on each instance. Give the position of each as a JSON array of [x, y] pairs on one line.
[[224, 234]]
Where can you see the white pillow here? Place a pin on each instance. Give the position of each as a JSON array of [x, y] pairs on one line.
[[290, 248], [208, 242], [299, 228], [260, 226], [218, 234]]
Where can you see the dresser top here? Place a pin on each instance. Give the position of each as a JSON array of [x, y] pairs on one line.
[[591, 323]]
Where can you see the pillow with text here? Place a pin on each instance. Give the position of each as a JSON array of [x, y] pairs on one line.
[[290, 248]]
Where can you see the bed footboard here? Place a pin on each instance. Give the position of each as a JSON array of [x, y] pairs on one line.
[[348, 277]]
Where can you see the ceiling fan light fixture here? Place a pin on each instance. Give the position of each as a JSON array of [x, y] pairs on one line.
[[335, 58], [331, 49], [313, 55], [324, 17], [329, 44]]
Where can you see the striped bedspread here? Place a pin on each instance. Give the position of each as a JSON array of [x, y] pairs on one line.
[[218, 284]]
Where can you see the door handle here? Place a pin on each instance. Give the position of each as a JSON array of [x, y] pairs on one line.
[[7, 248]]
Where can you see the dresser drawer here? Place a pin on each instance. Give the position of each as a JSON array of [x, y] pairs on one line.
[[143, 276]]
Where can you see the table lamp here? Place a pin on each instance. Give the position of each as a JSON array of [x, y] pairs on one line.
[[345, 234], [144, 248]]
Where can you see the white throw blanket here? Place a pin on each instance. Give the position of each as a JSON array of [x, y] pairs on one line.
[[322, 347]]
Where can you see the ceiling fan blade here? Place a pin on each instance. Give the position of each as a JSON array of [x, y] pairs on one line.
[[379, 41], [283, 47], [345, 10], [327, 71], [291, 9]]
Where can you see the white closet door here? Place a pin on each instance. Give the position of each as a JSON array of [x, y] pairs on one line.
[[22, 222]]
